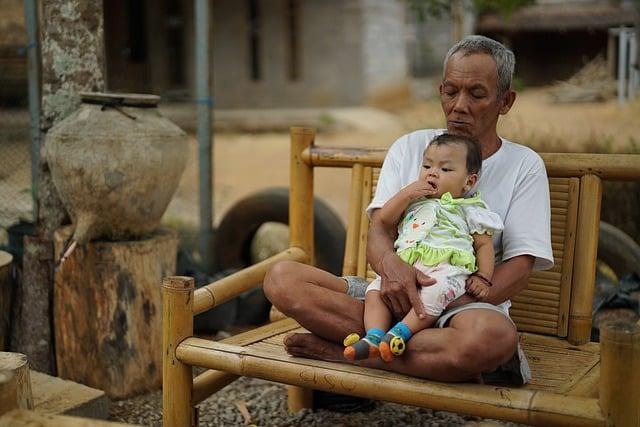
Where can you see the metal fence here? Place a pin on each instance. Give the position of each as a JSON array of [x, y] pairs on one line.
[[16, 200]]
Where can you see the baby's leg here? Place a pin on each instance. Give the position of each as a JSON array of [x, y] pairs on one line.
[[434, 298], [376, 320]]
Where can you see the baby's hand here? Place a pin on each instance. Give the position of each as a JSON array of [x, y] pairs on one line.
[[419, 188], [477, 287]]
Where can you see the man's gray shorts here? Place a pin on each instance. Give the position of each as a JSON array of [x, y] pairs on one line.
[[515, 371]]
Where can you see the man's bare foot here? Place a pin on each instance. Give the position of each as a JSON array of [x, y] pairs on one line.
[[313, 347]]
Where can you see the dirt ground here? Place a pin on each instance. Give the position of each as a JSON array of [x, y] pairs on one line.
[[247, 163]]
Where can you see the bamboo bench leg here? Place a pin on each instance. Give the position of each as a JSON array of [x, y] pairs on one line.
[[299, 398], [620, 373], [177, 324]]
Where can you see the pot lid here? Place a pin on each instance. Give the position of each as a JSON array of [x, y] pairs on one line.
[[126, 99]]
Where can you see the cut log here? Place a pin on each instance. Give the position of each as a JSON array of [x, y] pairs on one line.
[[6, 294], [15, 385], [31, 329], [107, 312]]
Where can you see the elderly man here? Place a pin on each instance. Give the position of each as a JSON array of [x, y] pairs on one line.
[[471, 338]]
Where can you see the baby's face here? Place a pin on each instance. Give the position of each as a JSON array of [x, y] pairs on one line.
[[444, 167]]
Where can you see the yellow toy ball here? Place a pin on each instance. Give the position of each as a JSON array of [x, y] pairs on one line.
[[397, 346]]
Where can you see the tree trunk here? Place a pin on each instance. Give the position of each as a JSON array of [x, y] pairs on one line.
[[15, 385], [6, 297], [31, 331], [107, 310]]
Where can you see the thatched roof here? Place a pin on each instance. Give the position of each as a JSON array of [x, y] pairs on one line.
[[12, 30], [562, 16]]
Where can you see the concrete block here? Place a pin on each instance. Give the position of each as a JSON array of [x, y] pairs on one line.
[[53, 395]]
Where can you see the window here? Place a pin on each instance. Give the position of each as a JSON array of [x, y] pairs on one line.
[[292, 39], [253, 17]]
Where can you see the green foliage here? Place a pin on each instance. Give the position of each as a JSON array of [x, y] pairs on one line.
[[436, 8], [503, 7]]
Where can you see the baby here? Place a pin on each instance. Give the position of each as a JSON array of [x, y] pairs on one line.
[[443, 234]]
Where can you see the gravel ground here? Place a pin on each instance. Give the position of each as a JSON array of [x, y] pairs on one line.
[[264, 404]]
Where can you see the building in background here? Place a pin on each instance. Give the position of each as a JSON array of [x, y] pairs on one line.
[[285, 53], [553, 39], [13, 65]]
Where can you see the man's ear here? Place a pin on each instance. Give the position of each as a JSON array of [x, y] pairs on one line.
[[471, 181], [507, 101]]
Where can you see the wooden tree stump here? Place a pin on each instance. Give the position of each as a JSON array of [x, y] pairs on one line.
[[107, 312], [6, 294], [15, 385]]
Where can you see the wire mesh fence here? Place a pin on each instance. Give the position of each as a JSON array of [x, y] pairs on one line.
[[16, 199]]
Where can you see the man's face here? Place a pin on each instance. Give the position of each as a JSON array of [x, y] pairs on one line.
[[469, 96]]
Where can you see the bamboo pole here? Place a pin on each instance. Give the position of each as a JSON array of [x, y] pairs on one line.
[[220, 291], [586, 252], [177, 324], [367, 183], [620, 373], [301, 233], [350, 265], [301, 192], [343, 157], [515, 404]]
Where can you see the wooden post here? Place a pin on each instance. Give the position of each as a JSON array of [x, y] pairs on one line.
[[584, 273], [620, 373], [6, 297], [177, 324], [15, 386], [301, 226]]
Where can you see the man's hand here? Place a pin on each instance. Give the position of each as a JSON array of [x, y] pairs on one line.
[[399, 287]]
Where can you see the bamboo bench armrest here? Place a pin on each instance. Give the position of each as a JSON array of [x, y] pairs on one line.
[[229, 287]]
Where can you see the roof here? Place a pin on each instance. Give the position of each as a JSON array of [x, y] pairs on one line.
[[12, 29], [563, 16]]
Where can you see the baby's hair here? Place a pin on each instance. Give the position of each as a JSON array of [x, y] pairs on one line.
[[474, 156]]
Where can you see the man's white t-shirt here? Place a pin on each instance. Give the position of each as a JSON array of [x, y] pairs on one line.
[[513, 182]]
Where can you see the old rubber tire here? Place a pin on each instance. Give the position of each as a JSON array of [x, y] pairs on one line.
[[240, 223], [618, 250]]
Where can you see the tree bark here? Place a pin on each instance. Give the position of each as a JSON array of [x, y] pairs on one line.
[[15, 385], [107, 309], [31, 331]]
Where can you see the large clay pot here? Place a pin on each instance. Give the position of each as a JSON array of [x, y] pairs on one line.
[[116, 163]]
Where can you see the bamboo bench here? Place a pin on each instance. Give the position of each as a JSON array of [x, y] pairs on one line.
[[553, 313]]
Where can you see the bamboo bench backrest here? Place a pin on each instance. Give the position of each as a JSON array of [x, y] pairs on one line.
[[543, 307]]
